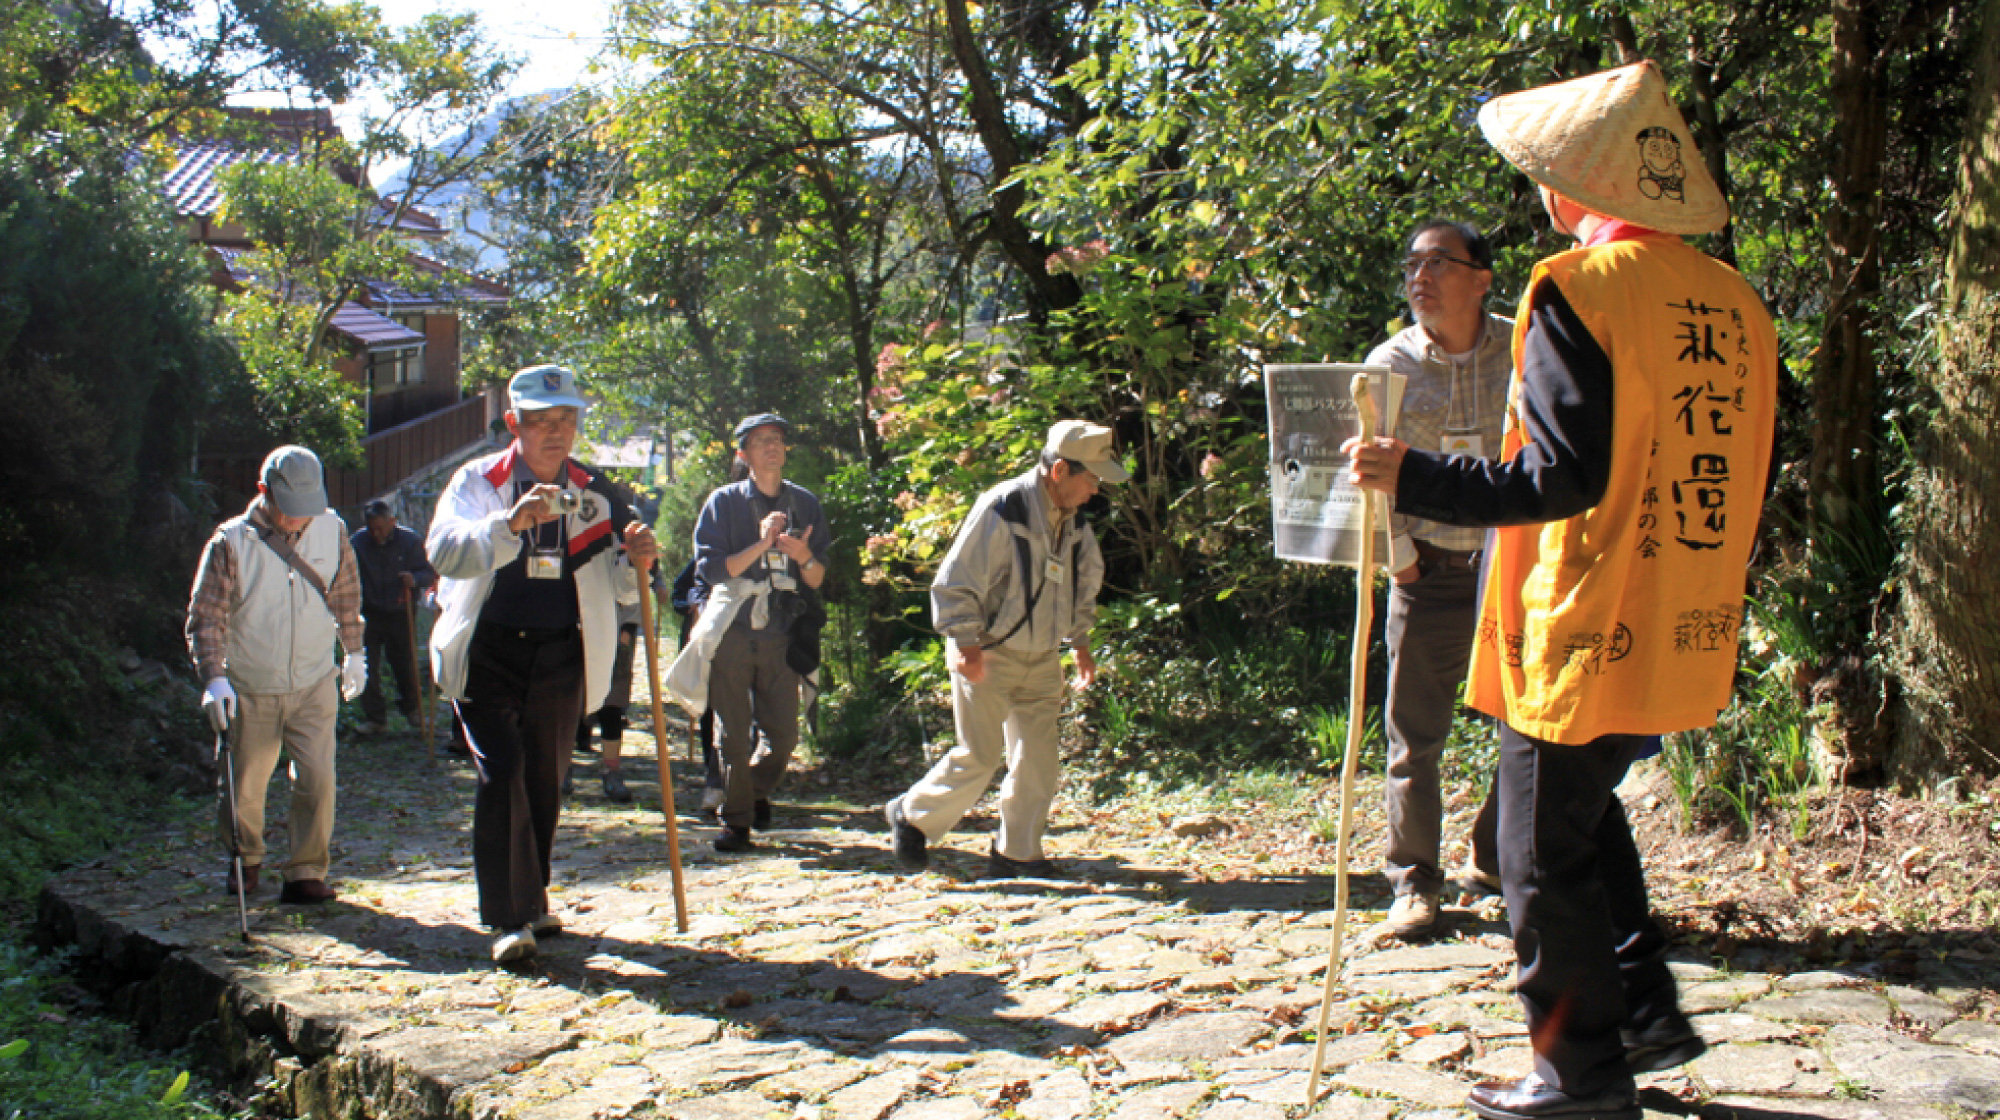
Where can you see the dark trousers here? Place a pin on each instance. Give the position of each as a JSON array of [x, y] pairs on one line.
[[1592, 960], [751, 689], [1429, 632], [387, 630], [523, 697]]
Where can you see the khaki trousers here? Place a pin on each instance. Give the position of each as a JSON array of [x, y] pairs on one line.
[[301, 723], [1009, 717]]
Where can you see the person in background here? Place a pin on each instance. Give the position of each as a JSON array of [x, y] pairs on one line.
[[393, 571], [766, 539]]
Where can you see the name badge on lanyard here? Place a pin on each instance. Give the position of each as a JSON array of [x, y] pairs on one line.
[[774, 567], [1053, 570], [1463, 443], [545, 563]]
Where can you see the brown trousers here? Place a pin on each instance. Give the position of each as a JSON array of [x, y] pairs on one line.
[[301, 724]]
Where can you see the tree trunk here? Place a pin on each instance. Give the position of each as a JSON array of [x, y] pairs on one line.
[[1843, 488], [1946, 645], [1844, 469]]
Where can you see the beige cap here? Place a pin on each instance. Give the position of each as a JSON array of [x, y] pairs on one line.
[[1089, 444], [1613, 142]]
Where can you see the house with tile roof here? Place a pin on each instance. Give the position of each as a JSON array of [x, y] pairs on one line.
[[401, 344]]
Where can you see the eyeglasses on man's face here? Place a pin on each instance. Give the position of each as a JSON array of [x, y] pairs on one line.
[[1416, 264], [772, 440]]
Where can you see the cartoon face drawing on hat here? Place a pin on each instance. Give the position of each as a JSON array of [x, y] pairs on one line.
[[1661, 174]]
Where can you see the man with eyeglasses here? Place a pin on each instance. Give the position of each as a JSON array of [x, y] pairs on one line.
[[1020, 580], [1458, 358], [760, 547], [536, 552]]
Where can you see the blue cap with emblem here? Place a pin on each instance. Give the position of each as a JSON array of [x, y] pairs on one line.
[[544, 387]]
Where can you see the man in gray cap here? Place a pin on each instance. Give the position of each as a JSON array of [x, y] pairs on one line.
[[276, 583], [1020, 580], [762, 544], [528, 542]]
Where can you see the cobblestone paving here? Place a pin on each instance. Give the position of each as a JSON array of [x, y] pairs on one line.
[[818, 982]]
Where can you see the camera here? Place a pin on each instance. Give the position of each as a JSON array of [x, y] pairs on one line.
[[567, 500]]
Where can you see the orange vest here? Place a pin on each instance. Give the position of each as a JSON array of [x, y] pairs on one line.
[[1624, 618]]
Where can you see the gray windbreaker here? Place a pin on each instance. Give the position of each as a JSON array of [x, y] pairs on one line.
[[1000, 562]]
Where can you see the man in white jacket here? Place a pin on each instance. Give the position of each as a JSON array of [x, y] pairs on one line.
[[275, 584], [527, 544], [1021, 579]]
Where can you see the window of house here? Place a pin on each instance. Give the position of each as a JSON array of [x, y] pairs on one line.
[[390, 370]]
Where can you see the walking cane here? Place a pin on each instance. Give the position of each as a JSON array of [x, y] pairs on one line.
[[660, 753], [1357, 695], [228, 758], [417, 668]]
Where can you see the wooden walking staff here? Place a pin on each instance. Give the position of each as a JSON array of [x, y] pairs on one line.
[[660, 753], [1357, 696], [417, 667]]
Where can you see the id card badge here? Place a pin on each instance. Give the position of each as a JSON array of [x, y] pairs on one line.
[[544, 563], [1463, 443], [774, 566], [1053, 571]]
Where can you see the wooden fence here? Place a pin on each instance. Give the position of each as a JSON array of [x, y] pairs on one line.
[[393, 457]]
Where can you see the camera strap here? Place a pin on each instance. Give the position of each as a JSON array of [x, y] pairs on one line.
[[278, 544]]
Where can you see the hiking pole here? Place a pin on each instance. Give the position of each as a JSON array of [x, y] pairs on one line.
[[1357, 696], [660, 753], [228, 758], [417, 669]]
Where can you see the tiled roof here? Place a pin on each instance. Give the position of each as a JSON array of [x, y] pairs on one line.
[[192, 185], [454, 287], [194, 189], [372, 330]]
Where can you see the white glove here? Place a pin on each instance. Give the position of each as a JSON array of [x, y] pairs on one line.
[[218, 702], [353, 676]]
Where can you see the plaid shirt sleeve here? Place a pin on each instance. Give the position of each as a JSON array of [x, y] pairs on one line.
[[208, 608], [343, 596]]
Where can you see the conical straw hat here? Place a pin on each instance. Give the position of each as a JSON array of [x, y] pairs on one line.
[[1614, 142]]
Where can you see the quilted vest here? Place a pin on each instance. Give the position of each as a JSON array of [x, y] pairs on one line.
[[281, 633]]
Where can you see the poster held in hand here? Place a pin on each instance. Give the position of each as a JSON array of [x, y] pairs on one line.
[[1316, 514]]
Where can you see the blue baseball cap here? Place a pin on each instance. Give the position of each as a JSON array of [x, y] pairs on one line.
[[539, 387], [763, 419]]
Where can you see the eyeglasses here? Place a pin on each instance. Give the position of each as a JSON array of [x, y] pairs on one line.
[[1414, 265], [764, 441]]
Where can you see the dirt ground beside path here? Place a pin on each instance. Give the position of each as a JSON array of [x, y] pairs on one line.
[[1179, 976]]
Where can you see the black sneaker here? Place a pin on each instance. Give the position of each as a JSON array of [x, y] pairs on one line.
[[911, 844], [761, 814], [1000, 867], [732, 839], [1662, 1044], [614, 787]]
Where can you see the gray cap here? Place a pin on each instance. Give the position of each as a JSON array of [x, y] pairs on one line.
[[294, 482]]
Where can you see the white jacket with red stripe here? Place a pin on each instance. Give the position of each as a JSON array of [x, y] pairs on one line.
[[469, 541]]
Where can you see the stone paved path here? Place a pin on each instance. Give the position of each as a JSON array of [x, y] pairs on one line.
[[817, 982]]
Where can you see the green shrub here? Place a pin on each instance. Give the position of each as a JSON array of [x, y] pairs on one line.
[[62, 1063]]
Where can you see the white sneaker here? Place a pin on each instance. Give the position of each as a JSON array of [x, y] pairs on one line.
[[1413, 916], [514, 945], [545, 925]]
